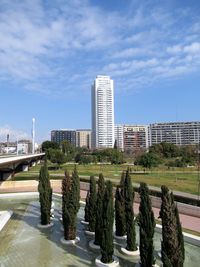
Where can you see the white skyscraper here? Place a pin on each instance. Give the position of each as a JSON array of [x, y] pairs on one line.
[[102, 112]]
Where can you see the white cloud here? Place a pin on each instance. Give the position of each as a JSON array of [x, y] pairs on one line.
[[192, 48], [53, 47], [174, 49]]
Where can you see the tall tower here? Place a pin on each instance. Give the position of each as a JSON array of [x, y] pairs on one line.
[[102, 112], [33, 135]]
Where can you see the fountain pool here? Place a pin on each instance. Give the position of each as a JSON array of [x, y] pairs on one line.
[[23, 244]]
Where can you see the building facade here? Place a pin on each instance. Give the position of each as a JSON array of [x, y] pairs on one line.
[[119, 136], [135, 138], [102, 112], [83, 138], [60, 135], [178, 133]]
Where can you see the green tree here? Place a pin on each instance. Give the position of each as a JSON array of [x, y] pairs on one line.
[[45, 194], [87, 207], [107, 247], [120, 220], [92, 204], [68, 150], [66, 209], [172, 244], [71, 207], [147, 224], [99, 210], [165, 150], [130, 223], [56, 156], [49, 144], [148, 160]]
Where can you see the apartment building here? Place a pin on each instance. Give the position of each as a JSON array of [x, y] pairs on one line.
[[178, 133], [102, 112]]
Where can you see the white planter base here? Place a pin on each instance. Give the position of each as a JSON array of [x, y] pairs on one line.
[[89, 233], [70, 242], [159, 254], [120, 237], [93, 246], [99, 263], [139, 264], [84, 222], [42, 226], [131, 253]]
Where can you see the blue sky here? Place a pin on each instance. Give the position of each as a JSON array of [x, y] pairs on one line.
[[51, 51]]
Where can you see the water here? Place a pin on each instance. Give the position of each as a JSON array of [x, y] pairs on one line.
[[23, 244]]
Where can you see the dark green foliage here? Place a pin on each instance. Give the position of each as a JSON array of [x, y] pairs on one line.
[[166, 150], [172, 239], [68, 150], [85, 159], [92, 204], [45, 194], [107, 247], [99, 210], [87, 207], [147, 224], [76, 189], [70, 197], [113, 155], [56, 156], [49, 144], [148, 160], [115, 144], [130, 223], [120, 220]]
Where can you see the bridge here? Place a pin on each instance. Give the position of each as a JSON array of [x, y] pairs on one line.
[[11, 164]]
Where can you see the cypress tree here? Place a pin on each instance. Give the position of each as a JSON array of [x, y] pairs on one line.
[[92, 204], [66, 193], [172, 239], [87, 208], [147, 224], [120, 220], [99, 210], [130, 223], [76, 189], [45, 195], [107, 247], [71, 207]]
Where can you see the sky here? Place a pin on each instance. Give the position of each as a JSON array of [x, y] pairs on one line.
[[51, 52]]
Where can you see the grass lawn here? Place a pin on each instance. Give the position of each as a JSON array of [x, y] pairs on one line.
[[185, 180]]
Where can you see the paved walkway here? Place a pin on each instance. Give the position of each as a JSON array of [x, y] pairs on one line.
[[188, 222]]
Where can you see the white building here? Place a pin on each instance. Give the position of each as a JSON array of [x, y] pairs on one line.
[[119, 136], [178, 133], [102, 112]]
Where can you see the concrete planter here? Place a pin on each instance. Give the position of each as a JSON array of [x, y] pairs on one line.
[[93, 246], [131, 253], [89, 233], [69, 242], [85, 223], [99, 263], [42, 226], [120, 237]]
